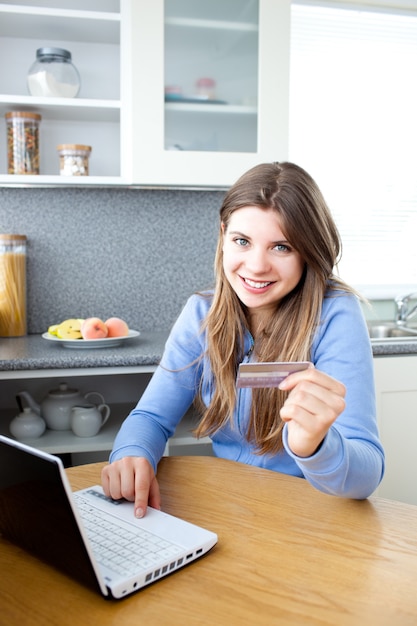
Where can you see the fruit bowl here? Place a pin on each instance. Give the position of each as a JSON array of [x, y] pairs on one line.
[[108, 342]]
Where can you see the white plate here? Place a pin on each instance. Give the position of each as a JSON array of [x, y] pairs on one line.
[[108, 342]]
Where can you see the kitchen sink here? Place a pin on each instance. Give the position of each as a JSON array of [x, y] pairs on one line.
[[390, 331]]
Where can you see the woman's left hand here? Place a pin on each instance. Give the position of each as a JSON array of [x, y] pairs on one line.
[[314, 402]]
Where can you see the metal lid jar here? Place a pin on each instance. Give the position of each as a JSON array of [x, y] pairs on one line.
[[53, 74]]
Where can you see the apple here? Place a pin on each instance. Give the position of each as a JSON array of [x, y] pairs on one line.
[[117, 327], [94, 328]]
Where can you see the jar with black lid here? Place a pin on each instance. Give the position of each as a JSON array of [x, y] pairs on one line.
[[53, 74]]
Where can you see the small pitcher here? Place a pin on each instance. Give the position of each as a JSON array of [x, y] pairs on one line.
[[87, 419]]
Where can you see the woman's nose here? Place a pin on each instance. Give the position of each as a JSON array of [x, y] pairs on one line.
[[257, 261]]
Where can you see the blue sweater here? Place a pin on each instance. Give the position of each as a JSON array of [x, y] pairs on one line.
[[349, 463]]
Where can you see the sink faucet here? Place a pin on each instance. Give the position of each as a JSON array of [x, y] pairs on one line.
[[403, 313]]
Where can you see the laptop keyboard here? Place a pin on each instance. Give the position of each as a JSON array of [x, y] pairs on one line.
[[122, 550]]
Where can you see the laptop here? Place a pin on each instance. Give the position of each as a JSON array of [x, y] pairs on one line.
[[85, 534]]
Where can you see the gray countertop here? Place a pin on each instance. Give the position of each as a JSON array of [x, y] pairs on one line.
[[394, 347], [35, 353]]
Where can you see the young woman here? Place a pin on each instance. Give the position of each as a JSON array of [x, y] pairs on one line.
[[275, 299]]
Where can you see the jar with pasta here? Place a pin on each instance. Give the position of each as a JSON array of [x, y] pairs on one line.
[[12, 285], [22, 142]]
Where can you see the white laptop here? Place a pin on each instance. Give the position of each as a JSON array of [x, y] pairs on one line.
[[89, 536]]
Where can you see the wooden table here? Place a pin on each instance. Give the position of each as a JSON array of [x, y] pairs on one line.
[[287, 554]]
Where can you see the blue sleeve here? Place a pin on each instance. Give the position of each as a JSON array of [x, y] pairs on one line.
[[170, 391], [350, 461]]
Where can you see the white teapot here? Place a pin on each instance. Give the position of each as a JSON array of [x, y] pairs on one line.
[[56, 407]]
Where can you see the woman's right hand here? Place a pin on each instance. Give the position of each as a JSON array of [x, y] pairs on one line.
[[132, 478]]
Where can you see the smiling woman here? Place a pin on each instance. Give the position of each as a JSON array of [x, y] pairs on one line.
[[352, 125], [275, 298]]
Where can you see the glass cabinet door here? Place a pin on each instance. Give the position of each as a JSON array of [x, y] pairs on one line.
[[211, 60], [209, 89]]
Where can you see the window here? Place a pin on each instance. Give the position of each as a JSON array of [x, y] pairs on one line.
[[353, 127]]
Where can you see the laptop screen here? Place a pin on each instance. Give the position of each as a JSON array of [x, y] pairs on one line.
[[36, 515]]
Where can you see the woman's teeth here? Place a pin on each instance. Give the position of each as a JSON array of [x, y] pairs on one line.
[[255, 285]]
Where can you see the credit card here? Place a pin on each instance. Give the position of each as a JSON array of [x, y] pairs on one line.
[[267, 374]]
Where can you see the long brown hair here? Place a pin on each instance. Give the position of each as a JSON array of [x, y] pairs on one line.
[[308, 226]]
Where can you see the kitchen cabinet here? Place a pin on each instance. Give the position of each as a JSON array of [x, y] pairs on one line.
[[135, 58], [396, 396], [90, 30], [121, 388], [244, 46]]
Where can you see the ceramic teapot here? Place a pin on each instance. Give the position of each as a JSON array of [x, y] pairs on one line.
[[86, 420], [56, 407], [28, 424]]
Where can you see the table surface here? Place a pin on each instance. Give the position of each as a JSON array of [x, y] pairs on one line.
[[287, 554]]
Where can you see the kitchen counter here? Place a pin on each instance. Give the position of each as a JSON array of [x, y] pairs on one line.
[[35, 353], [394, 347], [120, 374]]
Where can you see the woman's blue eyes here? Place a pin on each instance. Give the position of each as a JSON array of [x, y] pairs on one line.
[[280, 247]]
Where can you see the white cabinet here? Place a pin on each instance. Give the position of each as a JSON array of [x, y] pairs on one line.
[[130, 53], [244, 46], [121, 388], [90, 30], [396, 395]]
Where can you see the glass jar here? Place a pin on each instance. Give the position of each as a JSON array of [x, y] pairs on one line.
[[73, 159], [53, 74], [22, 142], [12, 285]]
